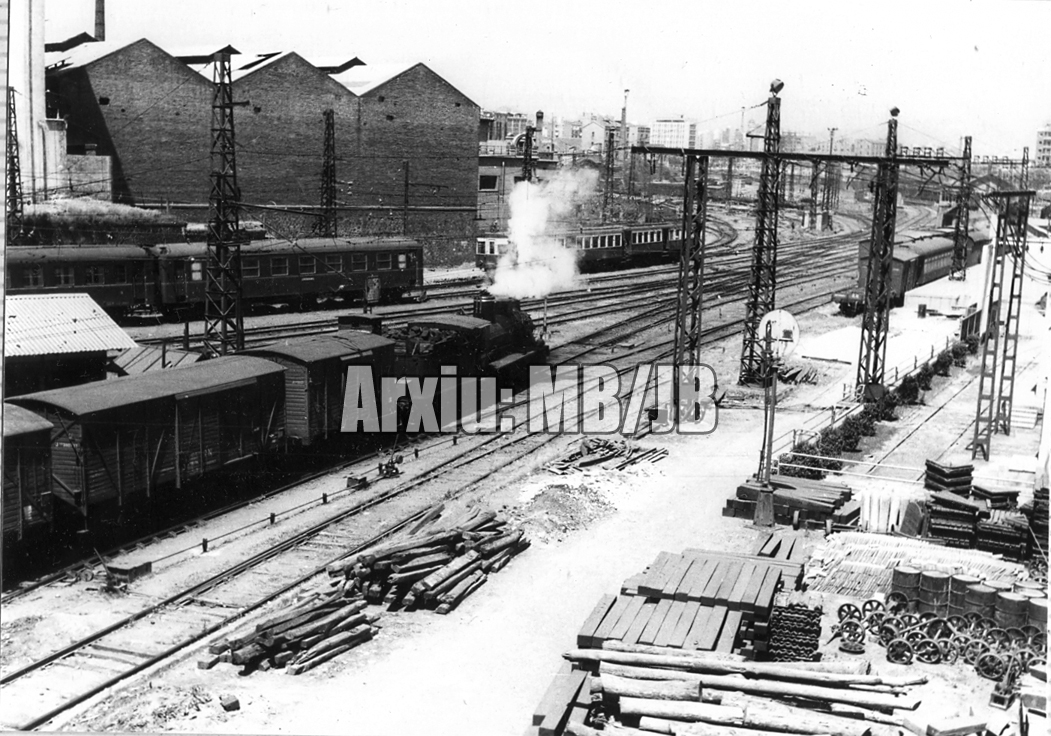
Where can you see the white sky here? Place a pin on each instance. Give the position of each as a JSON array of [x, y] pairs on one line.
[[954, 67]]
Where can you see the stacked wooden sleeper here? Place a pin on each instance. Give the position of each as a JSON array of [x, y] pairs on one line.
[[434, 569]]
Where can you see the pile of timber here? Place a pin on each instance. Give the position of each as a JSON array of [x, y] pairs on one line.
[[617, 454], [949, 478], [995, 498], [699, 600], [626, 693], [798, 501], [859, 565], [313, 631], [434, 569]]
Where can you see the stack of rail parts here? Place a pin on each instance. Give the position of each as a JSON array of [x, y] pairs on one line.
[[793, 633], [798, 501], [951, 478], [797, 374], [311, 632], [434, 569], [1005, 532], [594, 451], [664, 690], [1037, 512], [952, 519], [859, 565]]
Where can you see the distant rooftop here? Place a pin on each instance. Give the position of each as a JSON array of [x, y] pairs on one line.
[[50, 324]]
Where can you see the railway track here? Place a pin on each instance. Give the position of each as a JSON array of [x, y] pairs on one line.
[[45, 688]]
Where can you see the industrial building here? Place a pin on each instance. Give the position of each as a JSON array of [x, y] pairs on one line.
[[149, 112]]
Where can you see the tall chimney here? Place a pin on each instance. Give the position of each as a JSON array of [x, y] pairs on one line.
[[100, 20]]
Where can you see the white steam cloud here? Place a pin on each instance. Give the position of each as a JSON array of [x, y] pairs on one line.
[[535, 264]]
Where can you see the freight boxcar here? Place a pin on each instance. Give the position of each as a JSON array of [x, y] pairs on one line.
[[919, 258], [27, 473], [315, 376], [149, 434]]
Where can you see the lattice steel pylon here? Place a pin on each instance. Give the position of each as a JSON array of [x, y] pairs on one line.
[[763, 286], [958, 269], [14, 173], [223, 318], [327, 227], [815, 176], [691, 277], [872, 355], [1023, 179], [1000, 348], [607, 191]]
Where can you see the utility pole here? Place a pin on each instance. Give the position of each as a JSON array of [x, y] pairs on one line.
[[528, 166], [815, 176], [1023, 181], [223, 318], [607, 199], [958, 269], [872, 356], [687, 355], [763, 285], [328, 178], [1000, 349], [831, 181], [14, 174], [729, 180]]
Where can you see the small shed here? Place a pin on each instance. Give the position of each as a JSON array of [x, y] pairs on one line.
[[315, 377], [56, 340], [151, 433], [27, 472]]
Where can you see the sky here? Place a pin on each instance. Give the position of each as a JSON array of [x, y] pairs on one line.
[[953, 67]]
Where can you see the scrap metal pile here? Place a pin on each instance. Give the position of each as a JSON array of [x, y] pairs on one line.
[[594, 451]]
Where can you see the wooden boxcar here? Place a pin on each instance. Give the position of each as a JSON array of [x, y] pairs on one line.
[[150, 434], [315, 377], [27, 473], [120, 278], [302, 273]]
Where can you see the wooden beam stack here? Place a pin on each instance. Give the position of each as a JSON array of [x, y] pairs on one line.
[[798, 501], [313, 631], [434, 569], [674, 692]]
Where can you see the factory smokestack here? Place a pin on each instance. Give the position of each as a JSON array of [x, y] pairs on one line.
[[100, 20]]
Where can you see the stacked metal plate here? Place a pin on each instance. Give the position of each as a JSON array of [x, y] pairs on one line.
[[794, 633]]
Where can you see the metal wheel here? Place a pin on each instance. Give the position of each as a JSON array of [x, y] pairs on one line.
[[991, 666], [899, 651], [927, 651], [852, 630], [897, 602], [849, 611], [1016, 637], [939, 628], [958, 622], [997, 639], [972, 618], [909, 619], [1039, 642], [914, 636], [1030, 631], [974, 649], [872, 606], [950, 652], [927, 616], [874, 621], [987, 624], [887, 634]]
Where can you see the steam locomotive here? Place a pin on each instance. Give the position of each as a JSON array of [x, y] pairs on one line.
[[77, 458]]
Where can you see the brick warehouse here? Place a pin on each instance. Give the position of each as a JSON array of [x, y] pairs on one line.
[[406, 144]]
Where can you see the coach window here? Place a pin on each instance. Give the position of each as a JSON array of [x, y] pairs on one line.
[[120, 274], [334, 263], [33, 276], [278, 266], [360, 262], [196, 271], [94, 275], [64, 275], [307, 265], [250, 268], [383, 261], [403, 261]]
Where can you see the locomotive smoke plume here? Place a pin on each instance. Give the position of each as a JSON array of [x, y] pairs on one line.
[[536, 264]]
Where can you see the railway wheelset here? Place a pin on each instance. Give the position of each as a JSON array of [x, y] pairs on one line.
[[996, 653]]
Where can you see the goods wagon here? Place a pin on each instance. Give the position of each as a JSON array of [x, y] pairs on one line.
[[27, 473]]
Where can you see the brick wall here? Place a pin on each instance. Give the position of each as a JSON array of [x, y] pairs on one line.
[[90, 176], [151, 113]]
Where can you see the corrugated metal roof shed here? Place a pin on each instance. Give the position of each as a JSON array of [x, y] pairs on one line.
[[51, 324], [145, 358], [22, 421], [213, 375], [324, 347]]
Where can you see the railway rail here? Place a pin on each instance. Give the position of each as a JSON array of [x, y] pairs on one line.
[[128, 646]]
